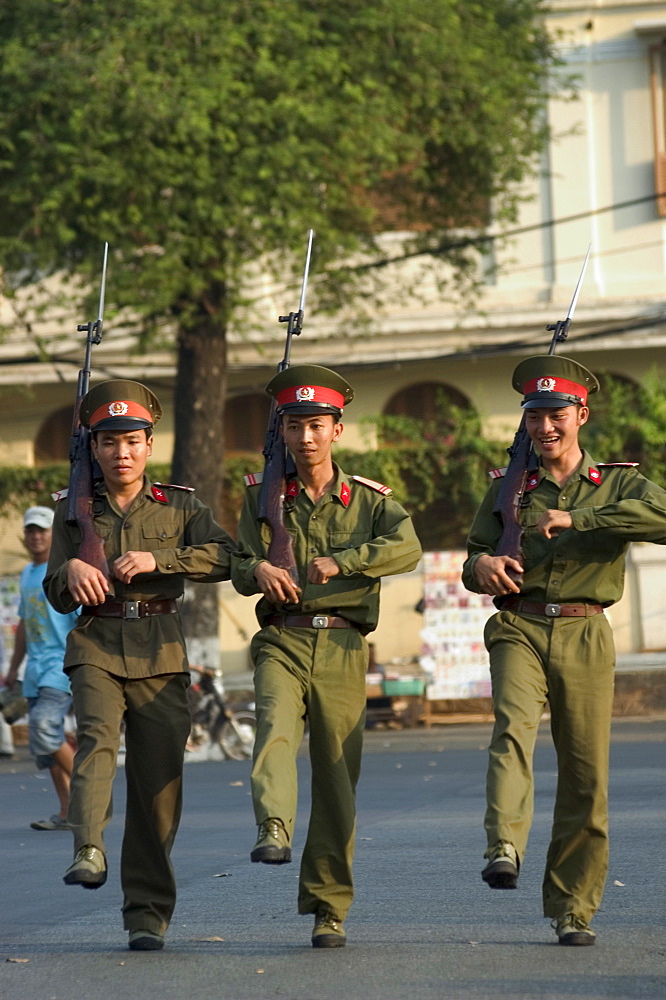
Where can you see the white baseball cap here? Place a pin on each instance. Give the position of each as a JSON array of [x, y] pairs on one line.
[[40, 517]]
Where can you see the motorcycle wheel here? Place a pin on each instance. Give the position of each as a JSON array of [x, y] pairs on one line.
[[236, 735]]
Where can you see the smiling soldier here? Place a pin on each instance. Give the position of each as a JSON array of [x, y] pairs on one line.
[[551, 644], [311, 656], [126, 658]]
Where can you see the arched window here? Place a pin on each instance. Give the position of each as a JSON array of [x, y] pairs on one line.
[[245, 422], [426, 402], [52, 441]]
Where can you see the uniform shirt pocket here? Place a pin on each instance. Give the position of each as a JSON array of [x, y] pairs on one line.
[[160, 536], [346, 539]]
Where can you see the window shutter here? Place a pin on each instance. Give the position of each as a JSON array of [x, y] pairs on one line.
[[658, 79], [660, 181]]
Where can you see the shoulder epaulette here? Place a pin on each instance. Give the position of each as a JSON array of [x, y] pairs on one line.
[[253, 478], [618, 465], [157, 489], [60, 494], [174, 486], [379, 487], [498, 473]]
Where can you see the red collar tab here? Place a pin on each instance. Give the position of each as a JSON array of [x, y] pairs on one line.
[[554, 384], [594, 475], [158, 494], [532, 482], [292, 489], [498, 473], [345, 495], [310, 394]]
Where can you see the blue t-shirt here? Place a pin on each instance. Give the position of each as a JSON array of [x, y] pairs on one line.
[[46, 634]]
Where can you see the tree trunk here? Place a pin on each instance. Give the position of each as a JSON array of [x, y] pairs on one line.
[[198, 460]]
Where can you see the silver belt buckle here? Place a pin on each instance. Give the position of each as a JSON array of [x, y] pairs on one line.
[[320, 621], [131, 609], [553, 610]]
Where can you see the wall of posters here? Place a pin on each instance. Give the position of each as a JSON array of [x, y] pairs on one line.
[[9, 602], [453, 654]]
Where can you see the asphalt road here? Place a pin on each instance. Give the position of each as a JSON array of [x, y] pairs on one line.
[[423, 924]]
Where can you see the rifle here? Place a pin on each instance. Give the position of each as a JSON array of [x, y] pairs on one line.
[[523, 460], [277, 461], [82, 472]]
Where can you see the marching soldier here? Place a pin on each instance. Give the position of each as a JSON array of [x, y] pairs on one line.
[[310, 655], [126, 658], [551, 643]]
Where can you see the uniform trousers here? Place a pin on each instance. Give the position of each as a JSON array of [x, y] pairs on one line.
[[568, 664], [157, 724], [318, 673]]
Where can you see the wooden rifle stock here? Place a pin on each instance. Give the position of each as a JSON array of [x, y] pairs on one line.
[[271, 498], [277, 462], [510, 496], [81, 470]]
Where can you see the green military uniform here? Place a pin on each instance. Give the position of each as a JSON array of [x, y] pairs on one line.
[[319, 671], [136, 669], [539, 655]]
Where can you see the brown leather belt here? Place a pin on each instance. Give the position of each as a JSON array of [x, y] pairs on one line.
[[310, 621], [551, 610], [130, 609]]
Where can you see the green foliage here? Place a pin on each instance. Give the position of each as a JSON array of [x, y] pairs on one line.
[[444, 466], [628, 423], [198, 136]]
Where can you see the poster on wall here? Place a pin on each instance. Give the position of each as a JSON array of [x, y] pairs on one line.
[[453, 653], [9, 603]]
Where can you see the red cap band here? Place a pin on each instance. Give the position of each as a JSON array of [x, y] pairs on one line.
[[561, 386], [310, 394], [121, 408]]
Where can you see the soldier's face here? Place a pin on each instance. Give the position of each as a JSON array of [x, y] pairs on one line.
[[122, 456], [554, 432], [309, 437]]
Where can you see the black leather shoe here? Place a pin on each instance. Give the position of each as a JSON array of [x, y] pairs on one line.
[[501, 872], [272, 846]]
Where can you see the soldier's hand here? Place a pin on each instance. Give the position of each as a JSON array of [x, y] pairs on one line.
[[276, 584], [553, 522], [132, 563], [322, 569], [491, 573], [86, 584]]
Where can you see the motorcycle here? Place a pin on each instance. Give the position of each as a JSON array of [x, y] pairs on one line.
[[232, 728]]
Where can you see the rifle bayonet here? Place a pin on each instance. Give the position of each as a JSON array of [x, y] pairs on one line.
[[277, 461], [81, 472]]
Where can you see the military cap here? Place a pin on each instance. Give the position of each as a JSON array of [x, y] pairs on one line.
[[119, 405], [552, 380], [310, 389]]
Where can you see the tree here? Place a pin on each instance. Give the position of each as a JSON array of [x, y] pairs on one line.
[[628, 423], [203, 138]]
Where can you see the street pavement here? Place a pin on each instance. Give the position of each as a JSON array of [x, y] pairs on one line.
[[424, 925]]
